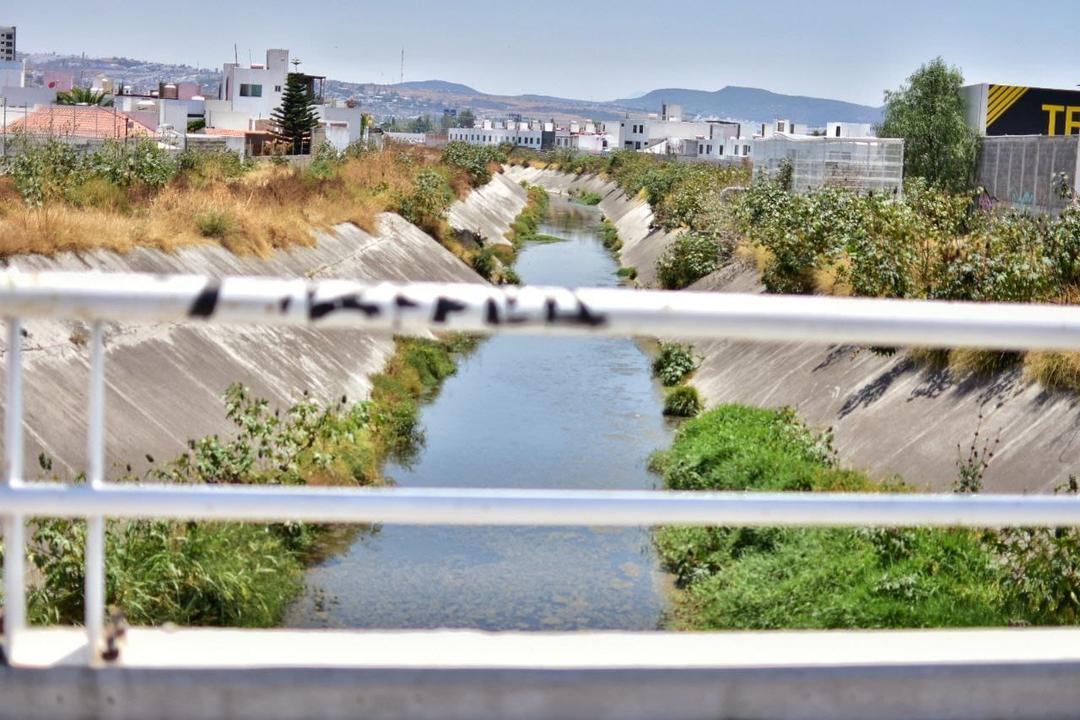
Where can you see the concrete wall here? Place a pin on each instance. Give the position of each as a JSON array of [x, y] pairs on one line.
[[890, 416], [462, 675], [487, 213], [1017, 172], [165, 381]]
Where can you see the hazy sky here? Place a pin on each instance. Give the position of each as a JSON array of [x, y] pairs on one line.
[[845, 50]]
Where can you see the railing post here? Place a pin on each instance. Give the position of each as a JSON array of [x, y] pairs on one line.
[[14, 530], [95, 478]]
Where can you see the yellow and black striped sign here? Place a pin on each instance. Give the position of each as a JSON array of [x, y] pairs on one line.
[[1015, 110]]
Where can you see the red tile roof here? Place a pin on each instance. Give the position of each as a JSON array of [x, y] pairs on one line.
[[81, 121]]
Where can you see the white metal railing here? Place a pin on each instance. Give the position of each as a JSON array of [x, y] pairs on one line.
[[387, 307]]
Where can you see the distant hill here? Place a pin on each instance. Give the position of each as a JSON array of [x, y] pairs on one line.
[[432, 97], [438, 86], [753, 104]]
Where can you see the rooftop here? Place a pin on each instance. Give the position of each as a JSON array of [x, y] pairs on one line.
[[81, 121]]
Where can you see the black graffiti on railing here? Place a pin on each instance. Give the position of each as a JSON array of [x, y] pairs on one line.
[[206, 301], [509, 312], [318, 309]]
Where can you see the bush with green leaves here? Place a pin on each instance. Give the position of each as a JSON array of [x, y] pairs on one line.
[[429, 200], [42, 170], [326, 160], [609, 236], [690, 257], [214, 223], [142, 162], [682, 402], [476, 160], [485, 263], [587, 197], [673, 363]]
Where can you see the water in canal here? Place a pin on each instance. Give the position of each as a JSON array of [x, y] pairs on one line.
[[522, 412]]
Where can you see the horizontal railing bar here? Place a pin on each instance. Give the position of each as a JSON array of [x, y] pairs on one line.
[[404, 308], [427, 506]]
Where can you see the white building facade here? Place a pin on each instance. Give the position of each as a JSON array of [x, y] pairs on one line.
[[519, 134], [255, 90]]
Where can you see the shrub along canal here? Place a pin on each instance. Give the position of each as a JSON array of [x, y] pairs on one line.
[[525, 412]]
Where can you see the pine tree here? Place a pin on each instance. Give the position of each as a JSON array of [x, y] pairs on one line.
[[296, 118]]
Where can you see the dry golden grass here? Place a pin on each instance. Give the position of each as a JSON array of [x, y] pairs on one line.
[[753, 253], [266, 209], [833, 280], [934, 358], [1054, 370], [982, 363]]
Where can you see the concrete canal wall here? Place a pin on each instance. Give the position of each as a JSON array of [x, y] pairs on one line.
[[164, 382]]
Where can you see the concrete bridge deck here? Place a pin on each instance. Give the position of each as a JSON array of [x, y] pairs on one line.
[[469, 675]]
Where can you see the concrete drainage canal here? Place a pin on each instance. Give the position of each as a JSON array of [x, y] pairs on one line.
[[522, 412]]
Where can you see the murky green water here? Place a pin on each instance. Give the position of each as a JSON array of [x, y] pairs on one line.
[[520, 413]]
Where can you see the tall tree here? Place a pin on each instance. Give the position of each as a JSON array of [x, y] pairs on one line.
[[466, 119], [296, 119], [929, 114]]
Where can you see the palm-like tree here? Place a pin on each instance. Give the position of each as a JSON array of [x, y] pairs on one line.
[[83, 96]]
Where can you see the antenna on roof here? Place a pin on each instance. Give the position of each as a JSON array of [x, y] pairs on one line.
[[402, 80], [235, 54]]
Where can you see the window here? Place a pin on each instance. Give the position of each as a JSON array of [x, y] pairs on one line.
[[708, 149], [721, 149], [746, 150], [247, 90], [277, 88], [837, 131], [637, 145]]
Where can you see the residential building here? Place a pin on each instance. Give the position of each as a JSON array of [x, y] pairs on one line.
[[7, 44], [255, 90], [521, 134], [249, 94], [668, 134]]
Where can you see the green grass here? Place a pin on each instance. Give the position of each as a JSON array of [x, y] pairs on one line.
[[587, 197], [609, 236], [798, 578], [527, 224]]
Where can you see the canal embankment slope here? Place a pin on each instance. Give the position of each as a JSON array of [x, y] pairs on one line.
[[889, 414], [164, 382]]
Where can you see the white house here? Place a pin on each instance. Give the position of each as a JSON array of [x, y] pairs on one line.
[[667, 133], [255, 89], [249, 94]]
